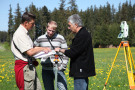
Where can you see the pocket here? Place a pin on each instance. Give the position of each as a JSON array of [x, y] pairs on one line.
[[29, 75]]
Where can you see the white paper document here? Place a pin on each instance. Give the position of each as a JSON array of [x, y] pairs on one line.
[[43, 54]]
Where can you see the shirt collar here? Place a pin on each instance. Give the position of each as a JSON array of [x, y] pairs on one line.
[[54, 36], [24, 29]]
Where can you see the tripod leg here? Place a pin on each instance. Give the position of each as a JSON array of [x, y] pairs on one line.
[[130, 73], [127, 56], [112, 66], [131, 58]]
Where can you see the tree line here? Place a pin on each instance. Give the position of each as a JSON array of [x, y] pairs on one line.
[[103, 22]]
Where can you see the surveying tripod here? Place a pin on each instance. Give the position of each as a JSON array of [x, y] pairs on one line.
[[129, 63]]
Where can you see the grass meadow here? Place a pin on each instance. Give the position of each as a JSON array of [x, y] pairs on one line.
[[104, 58]]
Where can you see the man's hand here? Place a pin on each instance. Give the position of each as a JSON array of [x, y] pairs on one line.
[[60, 50], [46, 49], [57, 49]]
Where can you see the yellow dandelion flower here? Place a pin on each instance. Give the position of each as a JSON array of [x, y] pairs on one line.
[[2, 77]]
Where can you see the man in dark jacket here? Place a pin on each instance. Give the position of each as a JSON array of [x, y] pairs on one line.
[[81, 54]]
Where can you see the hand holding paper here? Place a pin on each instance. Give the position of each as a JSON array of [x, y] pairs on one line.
[[43, 54]]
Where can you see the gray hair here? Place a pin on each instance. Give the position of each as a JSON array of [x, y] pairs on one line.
[[75, 19]]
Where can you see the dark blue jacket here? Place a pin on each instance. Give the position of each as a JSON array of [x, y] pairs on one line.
[[81, 55]]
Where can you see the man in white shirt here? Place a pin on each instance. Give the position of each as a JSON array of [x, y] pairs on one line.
[[22, 48]]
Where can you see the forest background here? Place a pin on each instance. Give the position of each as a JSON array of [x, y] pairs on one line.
[[103, 23]]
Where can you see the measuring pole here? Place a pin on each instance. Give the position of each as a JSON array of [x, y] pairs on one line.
[[56, 60]]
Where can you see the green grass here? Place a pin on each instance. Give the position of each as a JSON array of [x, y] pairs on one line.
[[104, 58]]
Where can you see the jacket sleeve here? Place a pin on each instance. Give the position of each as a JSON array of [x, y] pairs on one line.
[[78, 46]]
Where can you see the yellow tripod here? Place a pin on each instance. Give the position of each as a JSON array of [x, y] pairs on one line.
[[129, 61]]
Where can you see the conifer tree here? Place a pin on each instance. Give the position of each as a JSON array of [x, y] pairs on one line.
[[10, 25], [73, 6], [36, 31], [103, 22], [44, 18], [17, 18]]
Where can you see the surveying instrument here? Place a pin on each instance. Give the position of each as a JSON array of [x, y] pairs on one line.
[[56, 60], [128, 56]]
